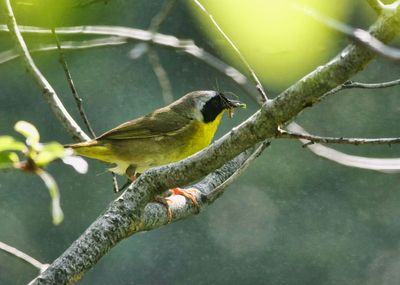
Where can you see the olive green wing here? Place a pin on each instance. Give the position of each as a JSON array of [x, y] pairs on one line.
[[163, 122]]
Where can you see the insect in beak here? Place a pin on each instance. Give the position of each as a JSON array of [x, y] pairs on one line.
[[232, 104]]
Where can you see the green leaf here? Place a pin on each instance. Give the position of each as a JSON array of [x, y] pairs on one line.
[[7, 159], [51, 185], [9, 143], [29, 131], [49, 152]]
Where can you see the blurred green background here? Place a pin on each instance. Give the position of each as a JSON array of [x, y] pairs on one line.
[[292, 218]]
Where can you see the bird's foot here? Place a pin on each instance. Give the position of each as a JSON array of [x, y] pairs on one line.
[[178, 191], [186, 193]]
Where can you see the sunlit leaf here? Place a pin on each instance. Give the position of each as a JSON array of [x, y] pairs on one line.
[[9, 143], [78, 163], [29, 131], [51, 185], [48, 153]]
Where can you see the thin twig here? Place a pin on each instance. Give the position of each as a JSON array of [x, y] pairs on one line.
[[186, 46], [47, 90], [354, 84], [152, 54], [78, 99], [158, 19], [259, 86], [9, 55], [319, 139], [162, 76], [23, 256], [386, 165], [358, 35]]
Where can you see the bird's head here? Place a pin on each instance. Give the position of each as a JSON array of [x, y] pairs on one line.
[[207, 105]]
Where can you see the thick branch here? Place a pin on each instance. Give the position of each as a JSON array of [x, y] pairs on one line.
[[123, 216], [47, 90]]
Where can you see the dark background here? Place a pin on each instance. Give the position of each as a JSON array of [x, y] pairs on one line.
[[292, 218]]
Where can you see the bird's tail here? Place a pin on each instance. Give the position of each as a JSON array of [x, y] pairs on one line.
[[92, 149]]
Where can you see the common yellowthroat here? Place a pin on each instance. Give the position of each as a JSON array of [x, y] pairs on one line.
[[166, 135]]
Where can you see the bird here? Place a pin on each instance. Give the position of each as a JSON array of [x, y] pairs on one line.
[[166, 135]]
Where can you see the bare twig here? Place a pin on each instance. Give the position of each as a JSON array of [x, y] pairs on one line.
[[358, 35], [386, 165], [187, 46], [158, 19], [162, 76], [9, 55], [318, 139], [354, 84], [154, 59], [23, 256], [259, 86], [78, 99], [47, 90]]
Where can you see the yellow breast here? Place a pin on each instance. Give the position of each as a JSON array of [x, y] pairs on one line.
[[200, 137]]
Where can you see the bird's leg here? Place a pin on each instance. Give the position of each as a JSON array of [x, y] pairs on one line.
[[131, 176], [115, 182]]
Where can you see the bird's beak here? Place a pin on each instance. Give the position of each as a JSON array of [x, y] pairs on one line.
[[232, 104]]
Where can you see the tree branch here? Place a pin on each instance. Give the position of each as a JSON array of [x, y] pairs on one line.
[[124, 215], [47, 90]]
